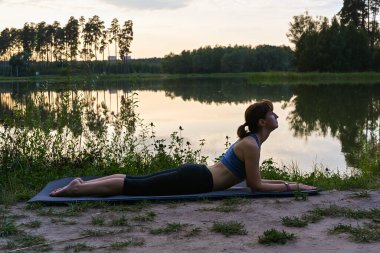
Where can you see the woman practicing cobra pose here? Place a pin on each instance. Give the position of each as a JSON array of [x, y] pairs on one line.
[[241, 161]]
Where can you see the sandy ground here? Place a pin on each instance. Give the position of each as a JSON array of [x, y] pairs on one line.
[[63, 229]]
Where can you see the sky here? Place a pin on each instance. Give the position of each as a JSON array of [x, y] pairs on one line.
[[169, 26]]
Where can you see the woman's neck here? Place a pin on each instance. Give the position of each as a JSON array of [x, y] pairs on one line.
[[262, 134]]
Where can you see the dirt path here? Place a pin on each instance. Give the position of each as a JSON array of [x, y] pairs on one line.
[[187, 226]]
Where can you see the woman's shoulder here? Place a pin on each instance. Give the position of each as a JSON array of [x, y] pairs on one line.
[[247, 144]]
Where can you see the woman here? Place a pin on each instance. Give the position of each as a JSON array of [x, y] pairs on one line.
[[240, 162]]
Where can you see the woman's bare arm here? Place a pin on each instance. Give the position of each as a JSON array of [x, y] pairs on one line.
[[251, 155]]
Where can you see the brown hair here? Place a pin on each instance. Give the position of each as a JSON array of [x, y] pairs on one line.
[[252, 115]]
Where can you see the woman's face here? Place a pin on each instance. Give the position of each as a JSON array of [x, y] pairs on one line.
[[271, 120]]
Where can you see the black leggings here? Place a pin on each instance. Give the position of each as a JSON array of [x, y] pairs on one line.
[[186, 179]]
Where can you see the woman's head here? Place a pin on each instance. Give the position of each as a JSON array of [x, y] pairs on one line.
[[253, 114]]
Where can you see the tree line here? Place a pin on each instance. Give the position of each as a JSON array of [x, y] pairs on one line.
[[77, 40], [229, 59], [350, 41]]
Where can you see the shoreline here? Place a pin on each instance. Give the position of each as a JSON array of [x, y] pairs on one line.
[[253, 78]]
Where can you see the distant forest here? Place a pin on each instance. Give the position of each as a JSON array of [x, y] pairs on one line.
[[349, 41], [45, 46]]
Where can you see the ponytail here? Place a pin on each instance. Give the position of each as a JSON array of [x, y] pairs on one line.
[[241, 132]]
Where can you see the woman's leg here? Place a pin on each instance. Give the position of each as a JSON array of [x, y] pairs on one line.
[[106, 187], [76, 187], [186, 179]]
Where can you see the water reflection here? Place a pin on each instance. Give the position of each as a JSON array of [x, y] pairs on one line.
[[318, 124], [350, 113]]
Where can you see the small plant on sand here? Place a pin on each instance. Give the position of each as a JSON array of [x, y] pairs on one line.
[[360, 195], [274, 236], [148, 216], [133, 242], [337, 211], [79, 247], [362, 234], [7, 227], [122, 221], [95, 233], [220, 208], [300, 196], [33, 224], [194, 232], [47, 212], [229, 228], [63, 221], [24, 240], [98, 220], [170, 228], [34, 206], [76, 209], [293, 222]]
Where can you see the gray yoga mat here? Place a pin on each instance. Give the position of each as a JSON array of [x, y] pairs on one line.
[[239, 190]]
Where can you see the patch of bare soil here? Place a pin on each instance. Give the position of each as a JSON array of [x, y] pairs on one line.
[[186, 226]]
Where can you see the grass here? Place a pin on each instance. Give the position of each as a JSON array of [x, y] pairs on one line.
[[98, 220], [78, 247], [229, 228], [361, 195], [273, 236], [63, 221], [24, 240], [361, 234], [76, 209], [133, 242], [170, 228], [194, 232], [121, 221], [33, 224], [293, 222], [95, 233], [337, 211], [332, 211], [289, 77], [369, 232], [8, 227], [313, 78], [148, 216], [220, 208], [34, 206], [320, 178], [300, 196]]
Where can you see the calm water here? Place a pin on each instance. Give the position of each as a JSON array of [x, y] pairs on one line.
[[318, 125]]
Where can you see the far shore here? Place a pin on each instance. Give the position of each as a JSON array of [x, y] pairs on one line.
[[254, 78]]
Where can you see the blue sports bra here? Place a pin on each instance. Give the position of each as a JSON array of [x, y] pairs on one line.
[[233, 163]]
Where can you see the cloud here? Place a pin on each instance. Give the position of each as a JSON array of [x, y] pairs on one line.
[[149, 4]]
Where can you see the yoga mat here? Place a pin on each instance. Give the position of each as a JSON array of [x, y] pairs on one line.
[[239, 190]]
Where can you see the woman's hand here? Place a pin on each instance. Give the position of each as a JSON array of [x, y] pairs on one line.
[[295, 187]]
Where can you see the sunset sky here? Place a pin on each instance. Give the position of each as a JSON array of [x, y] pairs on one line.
[[161, 27]]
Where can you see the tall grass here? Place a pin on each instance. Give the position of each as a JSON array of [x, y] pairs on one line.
[[76, 138]]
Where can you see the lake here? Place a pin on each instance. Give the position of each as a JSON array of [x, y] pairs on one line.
[[320, 125]]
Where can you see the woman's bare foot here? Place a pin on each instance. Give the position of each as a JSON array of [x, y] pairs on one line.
[[68, 190]]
